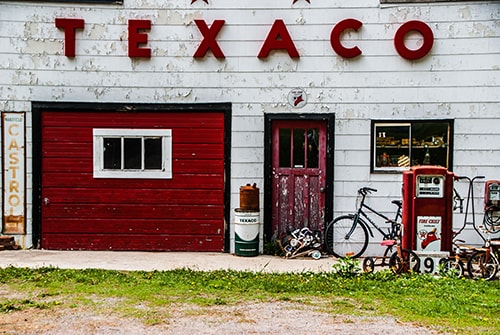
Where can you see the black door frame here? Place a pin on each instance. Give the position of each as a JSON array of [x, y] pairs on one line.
[[329, 173]]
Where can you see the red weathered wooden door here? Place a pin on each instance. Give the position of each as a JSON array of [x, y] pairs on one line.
[[82, 210], [298, 175]]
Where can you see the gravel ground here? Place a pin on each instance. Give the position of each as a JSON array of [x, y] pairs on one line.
[[250, 318]]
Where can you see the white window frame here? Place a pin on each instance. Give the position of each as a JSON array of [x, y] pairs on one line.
[[164, 173]]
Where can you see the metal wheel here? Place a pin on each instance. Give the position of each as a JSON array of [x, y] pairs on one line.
[[368, 264], [337, 242], [453, 267], [480, 266], [407, 262], [316, 254]]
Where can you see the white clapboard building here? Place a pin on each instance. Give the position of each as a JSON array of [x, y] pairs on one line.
[[132, 124]]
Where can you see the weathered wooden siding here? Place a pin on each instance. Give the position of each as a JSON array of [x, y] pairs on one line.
[[183, 213], [460, 78]]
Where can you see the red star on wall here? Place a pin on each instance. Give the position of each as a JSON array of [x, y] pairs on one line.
[[294, 1], [205, 1]]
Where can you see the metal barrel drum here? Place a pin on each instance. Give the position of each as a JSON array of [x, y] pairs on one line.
[[246, 228]]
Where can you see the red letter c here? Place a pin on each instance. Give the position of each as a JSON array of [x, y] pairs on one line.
[[335, 38]]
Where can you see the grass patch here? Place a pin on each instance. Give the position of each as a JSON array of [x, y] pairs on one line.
[[13, 305], [447, 304]]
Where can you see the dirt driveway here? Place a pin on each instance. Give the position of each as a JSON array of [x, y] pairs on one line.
[[249, 318]]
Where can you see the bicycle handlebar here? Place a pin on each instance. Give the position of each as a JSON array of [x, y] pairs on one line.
[[468, 178], [366, 190]]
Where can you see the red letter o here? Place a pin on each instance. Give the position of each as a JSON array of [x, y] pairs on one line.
[[399, 40]]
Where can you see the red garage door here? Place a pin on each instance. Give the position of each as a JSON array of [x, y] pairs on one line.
[[182, 212]]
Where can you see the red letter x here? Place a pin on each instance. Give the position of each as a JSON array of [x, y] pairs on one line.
[[209, 42], [69, 26]]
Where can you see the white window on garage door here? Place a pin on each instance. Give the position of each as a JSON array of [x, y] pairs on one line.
[[133, 153]]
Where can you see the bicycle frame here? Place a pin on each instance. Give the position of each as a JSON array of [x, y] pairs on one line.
[[349, 234], [362, 213], [374, 224], [469, 204]]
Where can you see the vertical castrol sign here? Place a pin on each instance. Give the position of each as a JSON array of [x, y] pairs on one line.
[[13, 159]]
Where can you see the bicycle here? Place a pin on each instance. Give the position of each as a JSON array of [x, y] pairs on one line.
[[401, 261], [404, 261], [462, 252], [484, 262], [348, 235]]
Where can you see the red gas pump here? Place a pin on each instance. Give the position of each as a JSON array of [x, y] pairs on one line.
[[492, 194], [427, 209], [491, 218]]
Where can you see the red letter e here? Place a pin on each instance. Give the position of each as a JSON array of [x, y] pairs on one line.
[[135, 38]]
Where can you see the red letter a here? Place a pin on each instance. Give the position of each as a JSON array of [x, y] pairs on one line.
[[278, 39]]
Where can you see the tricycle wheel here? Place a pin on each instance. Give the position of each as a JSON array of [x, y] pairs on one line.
[[453, 267], [368, 264]]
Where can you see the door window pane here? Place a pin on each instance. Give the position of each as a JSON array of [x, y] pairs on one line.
[[312, 148], [284, 147], [298, 148]]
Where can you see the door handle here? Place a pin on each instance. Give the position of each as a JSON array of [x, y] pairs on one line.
[[322, 189], [46, 201]]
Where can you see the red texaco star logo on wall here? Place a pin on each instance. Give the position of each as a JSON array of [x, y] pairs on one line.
[[205, 1], [294, 1]]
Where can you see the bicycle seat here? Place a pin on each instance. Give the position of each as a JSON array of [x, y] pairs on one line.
[[399, 203], [388, 243]]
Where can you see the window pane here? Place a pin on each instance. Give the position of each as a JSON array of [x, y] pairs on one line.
[[112, 153], [132, 153], [429, 144], [285, 147], [298, 147], [312, 148], [392, 146], [152, 154]]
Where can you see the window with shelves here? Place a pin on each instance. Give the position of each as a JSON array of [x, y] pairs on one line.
[[132, 153], [397, 145]]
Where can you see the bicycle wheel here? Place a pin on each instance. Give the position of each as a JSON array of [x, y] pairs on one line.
[[337, 242], [453, 267], [408, 261], [480, 267]]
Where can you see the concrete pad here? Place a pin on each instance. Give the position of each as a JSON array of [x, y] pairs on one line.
[[149, 261]]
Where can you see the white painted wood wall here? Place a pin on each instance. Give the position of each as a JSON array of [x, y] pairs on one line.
[[460, 79]]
